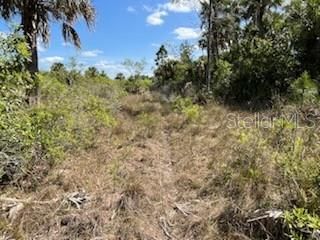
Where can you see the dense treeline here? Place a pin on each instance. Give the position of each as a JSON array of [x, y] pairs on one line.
[[256, 51]]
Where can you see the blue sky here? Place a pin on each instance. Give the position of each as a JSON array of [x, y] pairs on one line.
[[125, 29]]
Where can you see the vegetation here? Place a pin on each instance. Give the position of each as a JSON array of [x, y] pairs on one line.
[[35, 21], [43, 134], [255, 51], [221, 146]]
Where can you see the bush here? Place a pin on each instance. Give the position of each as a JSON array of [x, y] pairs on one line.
[[271, 165], [222, 77], [148, 122], [192, 112], [261, 69], [67, 118], [137, 84], [304, 89], [301, 224], [14, 79]]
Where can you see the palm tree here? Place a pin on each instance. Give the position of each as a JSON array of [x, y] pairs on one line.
[[36, 16], [255, 10], [7, 8], [221, 27]]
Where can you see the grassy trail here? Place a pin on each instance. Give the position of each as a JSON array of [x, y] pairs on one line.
[[150, 177], [140, 181]]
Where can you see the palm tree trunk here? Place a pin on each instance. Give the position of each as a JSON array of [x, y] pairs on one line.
[[259, 18], [30, 33], [209, 45], [216, 39]]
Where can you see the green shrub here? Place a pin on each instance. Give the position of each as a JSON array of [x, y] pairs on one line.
[[277, 166], [261, 68], [14, 79], [99, 111], [301, 224], [148, 121], [181, 103], [223, 77], [304, 89], [137, 84], [67, 118], [192, 112]]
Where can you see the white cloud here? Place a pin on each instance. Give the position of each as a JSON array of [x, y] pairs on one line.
[[182, 6], [155, 45], [147, 8], [111, 67], [41, 48], [107, 65], [162, 10], [66, 44], [156, 18], [131, 9], [184, 33], [173, 57], [51, 60], [91, 54], [3, 34]]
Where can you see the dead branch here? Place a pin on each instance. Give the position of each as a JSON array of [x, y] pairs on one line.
[[182, 210], [274, 214], [28, 201], [165, 228], [76, 198]]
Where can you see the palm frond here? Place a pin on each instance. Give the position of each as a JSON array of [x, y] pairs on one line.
[[70, 35], [7, 8]]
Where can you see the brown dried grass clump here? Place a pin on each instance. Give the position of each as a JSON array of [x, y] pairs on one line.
[[134, 105], [131, 196]]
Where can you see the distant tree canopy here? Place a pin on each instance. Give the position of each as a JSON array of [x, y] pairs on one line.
[[255, 50], [120, 76], [57, 67], [91, 72]]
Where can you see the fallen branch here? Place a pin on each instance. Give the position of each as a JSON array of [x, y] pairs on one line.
[[274, 214], [77, 199], [28, 201], [165, 228], [180, 208]]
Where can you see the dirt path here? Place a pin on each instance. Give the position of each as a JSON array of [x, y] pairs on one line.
[[168, 190]]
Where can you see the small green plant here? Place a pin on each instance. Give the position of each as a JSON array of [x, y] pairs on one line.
[[304, 89], [250, 155], [191, 111], [301, 224]]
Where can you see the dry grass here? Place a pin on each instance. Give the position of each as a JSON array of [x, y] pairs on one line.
[[154, 176]]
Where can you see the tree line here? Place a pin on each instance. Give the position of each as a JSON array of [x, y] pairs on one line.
[[256, 50]]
